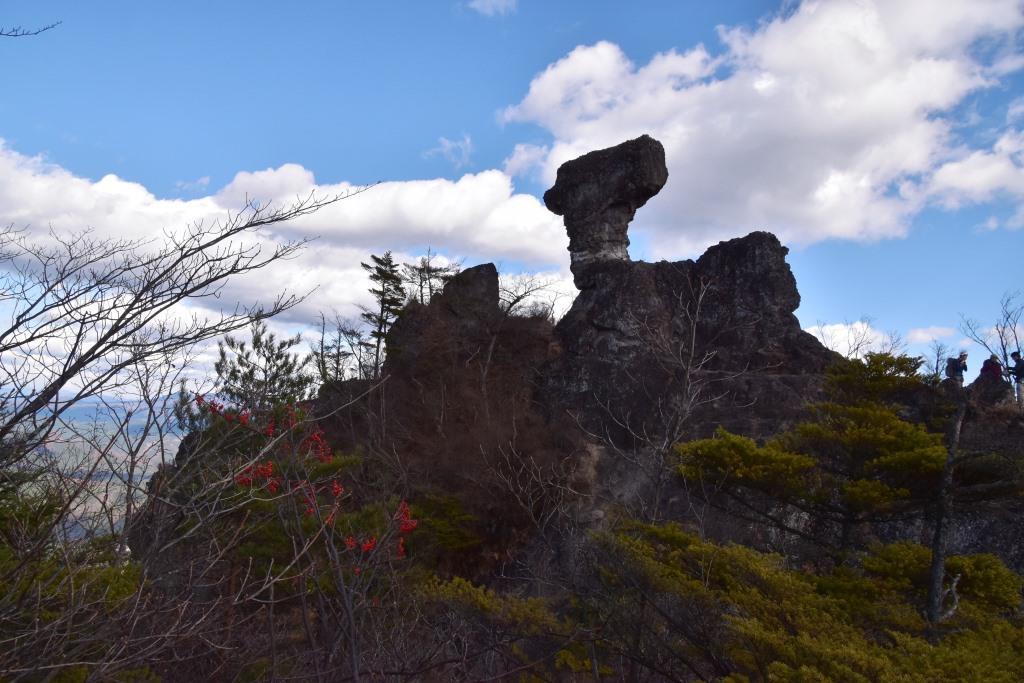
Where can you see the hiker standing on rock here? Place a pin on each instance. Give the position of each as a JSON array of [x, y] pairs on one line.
[[956, 367], [1017, 373]]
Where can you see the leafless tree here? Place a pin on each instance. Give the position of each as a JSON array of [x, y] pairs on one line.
[[426, 278], [93, 342], [85, 310], [529, 295], [1005, 335], [20, 32], [855, 339], [935, 361], [342, 350]]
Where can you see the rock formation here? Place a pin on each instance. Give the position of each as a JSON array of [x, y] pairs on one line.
[[598, 195], [671, 349], [512, 414], [649, 353]]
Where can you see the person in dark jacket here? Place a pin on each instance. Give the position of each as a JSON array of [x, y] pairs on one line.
[[956, 367], [1017, 373]]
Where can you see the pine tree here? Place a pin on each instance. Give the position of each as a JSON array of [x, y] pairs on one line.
[[264, 373], [671, 603], [858, 462], [426, 278], [390, 296]]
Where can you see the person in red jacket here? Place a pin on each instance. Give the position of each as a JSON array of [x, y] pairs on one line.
[[992, 369]]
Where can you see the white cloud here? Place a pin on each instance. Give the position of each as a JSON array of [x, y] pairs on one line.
[[1016, 221], [979, 175], [283, 183], [41, 195], [825, 122], [1015, 110], [852, 340], [926, 335], [490, 8], [458, 152], [525, 159], [479, 216], [990, 223], [197, 185]]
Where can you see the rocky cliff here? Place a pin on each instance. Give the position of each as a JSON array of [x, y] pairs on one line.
[[517, 417], [670, 349], [648, 354]]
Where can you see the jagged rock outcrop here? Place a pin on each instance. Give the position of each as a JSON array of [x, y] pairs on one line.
[[456, 409], [598, 195], [649, 353], [480, 402], [515, 416], [663, 350]]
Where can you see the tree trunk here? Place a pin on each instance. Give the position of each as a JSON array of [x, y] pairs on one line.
[[943, 510]]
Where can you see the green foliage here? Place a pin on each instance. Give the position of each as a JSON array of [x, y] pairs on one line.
[[847, 465], [446, 529], [684, 605], [879, 378], [733, 458], [263, 373], [528, 616], [260, 377], [389, 295], [854, 461]]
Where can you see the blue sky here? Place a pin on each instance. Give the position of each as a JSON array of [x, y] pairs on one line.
[[881, 141]]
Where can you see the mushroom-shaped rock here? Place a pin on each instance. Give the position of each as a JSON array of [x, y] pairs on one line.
[[598, 194]]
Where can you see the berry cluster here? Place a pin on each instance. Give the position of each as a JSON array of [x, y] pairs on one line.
[[254, 474]]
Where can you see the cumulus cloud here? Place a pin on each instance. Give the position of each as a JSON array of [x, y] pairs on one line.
[[926, 335], [479, 216], [1015, 110], [41, 195], [525, 159], [197, 185], [458, 152], [824, 122], [980, 175], [852, 340], [490, 8]]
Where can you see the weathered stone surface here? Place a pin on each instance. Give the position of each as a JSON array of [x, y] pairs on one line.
[[649, 353], [651, 346], [473, 293], [466, 310], [991, 391], [599, 193]]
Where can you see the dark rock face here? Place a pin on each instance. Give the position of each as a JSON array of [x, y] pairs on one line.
[[991, 391], [649, 353], [714, 341], [464, 312], [457, 407], [599, 193], [651, 346]]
